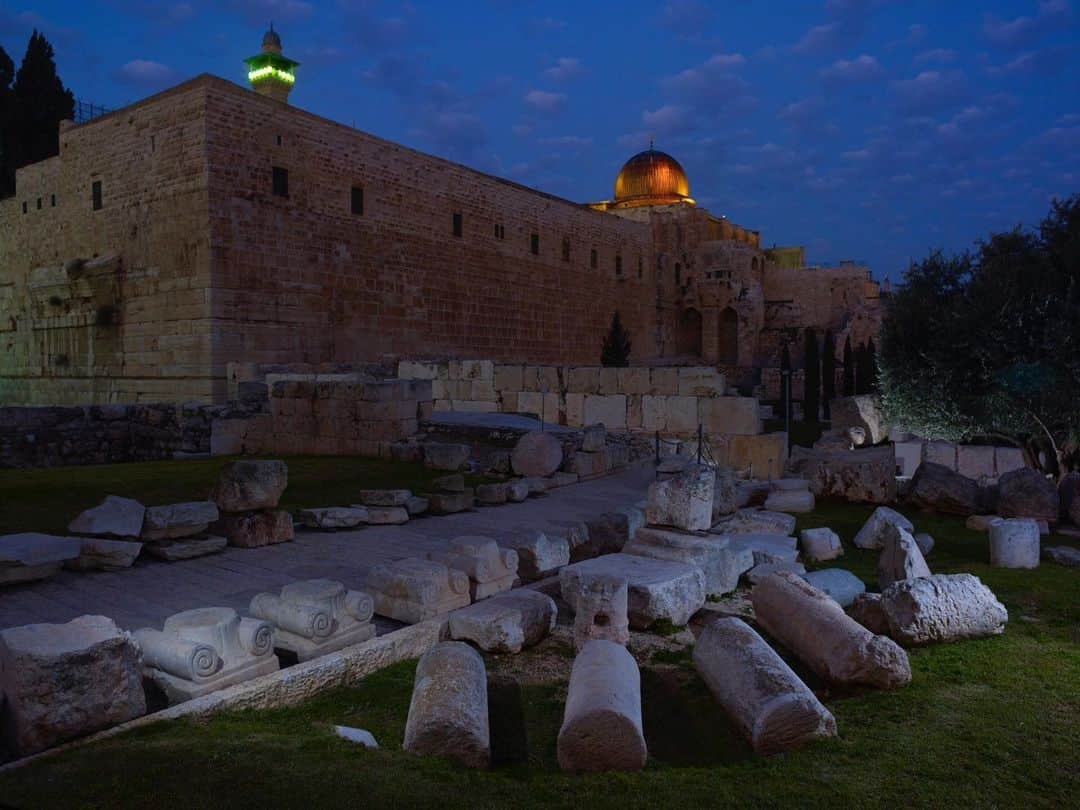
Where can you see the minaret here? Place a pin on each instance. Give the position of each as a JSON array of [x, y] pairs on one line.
[[270, 73]]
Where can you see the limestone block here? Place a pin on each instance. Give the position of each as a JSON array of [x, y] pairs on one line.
[[414, 590], [61, 681], [605, 534], [483, 391], [981, 523], [866, 609], [839, 585], [508, 378], [755, 521], [664, 381], [941, 489], [316, 616], [245, 485], [449, 503], [721, 564], [602, 727], [200, 651], [1014, 543], [767, 701], [448, 713], [860, 476], [186, 548], [594, 438], [943, 453], [908, 457], [633, 380], [472, 370], [178, 520], [538, 485], [418, 370], [537, 453], [900, 558], [517, 490], [539, 555], [790, 501], [761, 571], [1007, 459], [257, 528], [684, 501], [575, 409], [766, 547], [942, 607], [561, 478], [862, 411], [587, 465], [601, 610], [730, 415], [506, 623], [494, 494], [384, 497], [333, 517], [819, 545], [387, 515], [416, 505], [700, 381], [873, 533], [609, 411], [113, 517], [1063, 555], [925, 543], [607, 381], [974, 461], [826, 639], [634, 415], [490, 569], [444, 456], [449, 483], [654, 413], [1027, 493], [657, 589], [100, 554]]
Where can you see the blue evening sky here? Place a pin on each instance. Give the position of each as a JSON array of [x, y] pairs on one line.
[[874, 130]]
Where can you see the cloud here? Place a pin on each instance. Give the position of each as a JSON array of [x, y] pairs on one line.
[[929, 91], [457, 133], [935, 55], [261, 12], [376, 33], [820, 38], [671, 119], [686, 17], [573, 141], [544, 102], [860, 69], [1045, 61], [715, 82], [805, 110], [146, 73], [565, 67], [1024, 30], [543, 26]]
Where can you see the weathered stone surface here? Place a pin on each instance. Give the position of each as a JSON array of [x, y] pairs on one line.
[[539, 554], [113, 517], [726, 496], [981, 523], [587, 465], [30, 555], [873, 533], [537, 485], [416, 505], [178, 520], [838, 584], [506, 623], [563, 479], [721, 564], [942, 489], [657, 589], [601, 610], [448, 457], [517, 490], [593, 438], [867, 610], [942, 607], [766, 548], [490, 569], [257, 528], [602, 729], [414, 590], [925, 543], [790, 501], [819, 545], [862, 411], [537, 453], [61, 681], [826, 639], [448, 713], [333, 517], [100, 554], [384, 497], [1027, 493], [316, 616], [492, 494], [900, 558], [755, 521], [684, 501], [449, 503], [767, 701], [606, 534], [766, 569], [1063, 555], [185, 549], [387, 515], [860, 476], [356, 735], [245, 485], [1014, 543]]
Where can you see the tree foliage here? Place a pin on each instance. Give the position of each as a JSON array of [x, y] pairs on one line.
[[616, 348], [987, 343], [812, 380]]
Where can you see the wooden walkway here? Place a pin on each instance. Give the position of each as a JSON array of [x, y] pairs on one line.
[[151, 590]]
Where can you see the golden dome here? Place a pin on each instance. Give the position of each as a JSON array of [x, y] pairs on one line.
[[651, 178]]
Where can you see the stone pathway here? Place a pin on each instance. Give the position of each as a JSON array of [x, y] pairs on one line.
[[146, 594]]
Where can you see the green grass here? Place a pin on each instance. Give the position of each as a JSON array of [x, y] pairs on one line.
[[45, 500], [988, 723]]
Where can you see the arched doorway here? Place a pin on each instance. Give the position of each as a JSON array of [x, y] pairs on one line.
[[688, 340], [728, 338]]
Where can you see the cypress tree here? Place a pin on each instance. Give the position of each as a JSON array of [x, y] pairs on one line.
[[42, 101], [7, 125], [849, 369], [828, 373], [870, 372], [812, 380], [785, 379], [616, 348]]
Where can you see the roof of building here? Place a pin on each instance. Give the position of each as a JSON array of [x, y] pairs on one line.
[[651, 177]]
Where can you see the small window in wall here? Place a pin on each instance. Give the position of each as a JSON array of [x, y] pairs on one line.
[[566, 249], [153, 143], [618, 265], [356, 203], [281, 182], [534, 244], [95, 194], [457, 223], [24, 206], [640, 266], [39, 203], [593, 260], [53, 200], [678, 273], [500, 231], [278, 140]]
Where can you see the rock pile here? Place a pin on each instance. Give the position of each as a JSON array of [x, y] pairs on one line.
[[247, 495]]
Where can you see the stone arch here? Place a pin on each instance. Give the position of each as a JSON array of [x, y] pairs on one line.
[[688, 340], [728, 338]]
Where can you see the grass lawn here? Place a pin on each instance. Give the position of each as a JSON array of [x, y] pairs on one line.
[[989, 723], [46, 500]]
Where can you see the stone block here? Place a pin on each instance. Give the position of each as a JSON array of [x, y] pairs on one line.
[[101, 554], [449, 503], [315, 617], [255, 529], [860, 476], [680, 415], [537, 453], [790, 501], [387, 515], [900, 557], [664, 382], [517, 490], [333, 517], [416, 505], [700, 381], [384, 497], [607, 381], [721, 564], [244, 485], [974, 461], [113, 517], [1063, 555], [62, 681], [1014, 543], [472, 370], [863, 411], [941, 489], [839, 585], [1007, 459], [445, 456], [684, 501], [508, 378], [185, 548], [908, 457], [584, 379], [766, 547], [575, 409], [942, 607], [594, 438], [539, 554], [730, 415], [1028, 493], [506, 623], [633, 380], [943, 453], [490, 569], [601, 610], [178, 520], [819, 545], [414, 590], [31, 556], [874, 532], [494, 494], [761, 571], [609, 411], [755, 521], [418, 370]]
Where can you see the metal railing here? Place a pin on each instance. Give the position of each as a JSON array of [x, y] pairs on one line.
[[86, 111]]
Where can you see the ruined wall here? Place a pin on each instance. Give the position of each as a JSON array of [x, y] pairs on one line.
[[110, 305]]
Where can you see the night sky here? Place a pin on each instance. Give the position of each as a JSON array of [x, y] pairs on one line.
[[873, 130]]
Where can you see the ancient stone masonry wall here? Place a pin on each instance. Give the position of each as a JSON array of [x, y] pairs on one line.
[[110, 304]]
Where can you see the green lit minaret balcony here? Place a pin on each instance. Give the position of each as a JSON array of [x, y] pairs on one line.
[[270, 73]]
